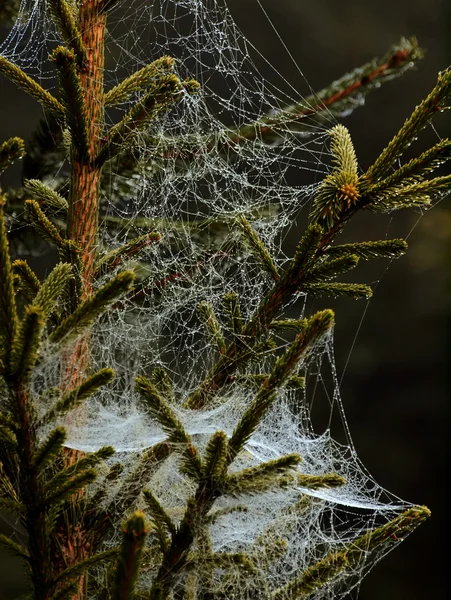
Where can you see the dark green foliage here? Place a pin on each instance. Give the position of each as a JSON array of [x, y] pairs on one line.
[[63, 14], [143, 79], [8, 315], [45, 195], [266, 476], [212, 326], [26, 280], [437, 100], [11, 150], [157, 406], [72, 97], [44, 227], [78, 395], [93, 307], [25, 350], [317, 576], [315, 329], [369, 250], [28, 85], [257, 247], [134, 535]]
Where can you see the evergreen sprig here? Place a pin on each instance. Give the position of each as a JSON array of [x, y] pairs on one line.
[[32, 88], [89, 310], [26, 279], [79, 394], [140, 80], [259, 479], [369, 250], [73, 98], [158, 408], [63, 14], [8, 313], [43, 225], [25, 350], [316, 328], [436, 101], [316, 577], [166, 89], [258, 248], [45, 195], [128, 564], [212, 326], [11, 150]]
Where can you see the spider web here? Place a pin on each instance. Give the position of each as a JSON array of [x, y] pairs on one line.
[[193, 203]]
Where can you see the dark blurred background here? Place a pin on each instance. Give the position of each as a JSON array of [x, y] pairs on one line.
[[396, 385]]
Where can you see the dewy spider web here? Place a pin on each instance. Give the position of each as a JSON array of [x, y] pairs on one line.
[[192, 194]]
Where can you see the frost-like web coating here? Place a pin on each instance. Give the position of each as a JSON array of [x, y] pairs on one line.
[[194, 171]]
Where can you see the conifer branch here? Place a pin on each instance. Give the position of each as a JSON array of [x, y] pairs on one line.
[[43, 225], [342, 96], [340, 189], [255, 379], [330, 269], [436, 101], [316, 577], [13, 547], [369, 250], [317, 326], [8, 313], [134, 537], [407, 196], [31, 87], [232, 311], [27, 279], [87, 312], [271, 303], [73, 98], [212, 326], [296, 325], [45, 195], [114, 258], [216, 454], [53, 287], [70, 487], [25, 350], [159, 99], [161, 380], [81, 567], [63, 16], [78, 395], [85, 464], [258, 248], [388, 534], [416, 168], [165, 527], [316, 482], [140, 80], [158, 408], [356, 291], [12, 506], [131, 487], [259, 479], [50, 448], [11, 150]]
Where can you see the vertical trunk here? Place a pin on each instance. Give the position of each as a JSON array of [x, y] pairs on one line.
[[83, 214], [83, 219]]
